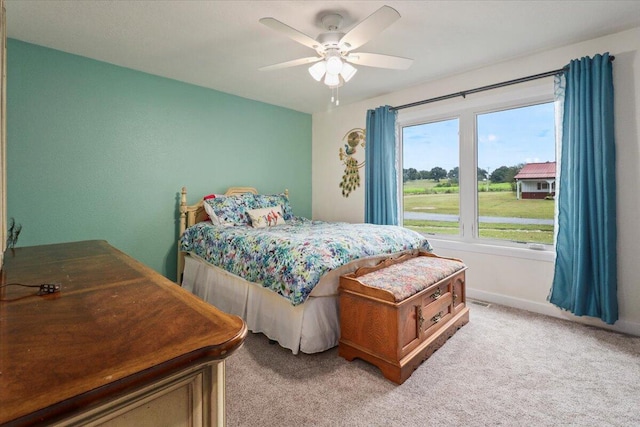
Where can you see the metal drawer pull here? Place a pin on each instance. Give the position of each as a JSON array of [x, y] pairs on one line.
[[437, 317], [455, 297], [437, 294], [419, 316]]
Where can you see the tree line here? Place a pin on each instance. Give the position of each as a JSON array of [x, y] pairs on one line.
[[501, 174]]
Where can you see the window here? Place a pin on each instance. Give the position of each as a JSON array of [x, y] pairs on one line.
[[517, 153], [483, 173], [430, 177]]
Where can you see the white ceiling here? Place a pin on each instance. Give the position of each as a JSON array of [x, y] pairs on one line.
[[221, 44]]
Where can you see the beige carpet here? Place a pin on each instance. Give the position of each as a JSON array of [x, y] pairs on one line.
[[506, 367]]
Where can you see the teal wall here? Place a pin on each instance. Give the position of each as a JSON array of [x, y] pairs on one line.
[[97, 151]]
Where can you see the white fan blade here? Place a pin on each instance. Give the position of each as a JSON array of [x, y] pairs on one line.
[[380, 61], [293, 63], [292, 33], [370, 27]]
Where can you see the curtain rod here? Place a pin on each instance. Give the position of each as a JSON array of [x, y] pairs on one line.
[[464, 93]]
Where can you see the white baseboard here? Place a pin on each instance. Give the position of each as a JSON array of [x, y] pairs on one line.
[[549, 309]]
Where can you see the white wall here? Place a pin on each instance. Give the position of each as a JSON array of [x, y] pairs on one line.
[[515, 277]]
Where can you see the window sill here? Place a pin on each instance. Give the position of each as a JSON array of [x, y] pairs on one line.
[[494, 249]]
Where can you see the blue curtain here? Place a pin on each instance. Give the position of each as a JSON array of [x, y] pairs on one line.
[[585, 278], [381, 190]]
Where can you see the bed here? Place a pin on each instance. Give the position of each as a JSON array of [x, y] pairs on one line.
[[278, 271]]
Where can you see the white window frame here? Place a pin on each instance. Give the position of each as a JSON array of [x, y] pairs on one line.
[[466, 111]]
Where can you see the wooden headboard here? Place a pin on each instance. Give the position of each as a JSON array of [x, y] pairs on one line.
[[193, 214]]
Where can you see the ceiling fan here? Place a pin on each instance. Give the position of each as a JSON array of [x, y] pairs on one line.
[[334, 48]]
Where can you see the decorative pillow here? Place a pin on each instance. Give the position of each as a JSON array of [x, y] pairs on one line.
[[231, 210], [209, 210], [211, 213], [266, 217], [265, 201]]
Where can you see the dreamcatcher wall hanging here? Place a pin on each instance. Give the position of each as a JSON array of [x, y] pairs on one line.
[[351, 178]]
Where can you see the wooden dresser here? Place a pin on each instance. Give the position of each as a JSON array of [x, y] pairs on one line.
[[118, 344]]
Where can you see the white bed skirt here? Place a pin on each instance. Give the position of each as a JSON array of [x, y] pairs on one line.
[[311, 327]]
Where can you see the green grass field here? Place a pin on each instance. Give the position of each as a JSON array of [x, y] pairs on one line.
[[513, 232], [502, 203], [499, 201], [428, 186]]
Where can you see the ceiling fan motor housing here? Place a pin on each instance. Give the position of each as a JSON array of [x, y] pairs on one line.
[[331, 21], [330, 40]]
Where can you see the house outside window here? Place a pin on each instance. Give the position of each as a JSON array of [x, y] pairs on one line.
[[536, 181]]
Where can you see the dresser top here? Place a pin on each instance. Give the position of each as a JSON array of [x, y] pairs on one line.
[[115, 325]]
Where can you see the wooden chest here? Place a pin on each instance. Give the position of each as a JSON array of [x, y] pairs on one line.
[[396, 314]]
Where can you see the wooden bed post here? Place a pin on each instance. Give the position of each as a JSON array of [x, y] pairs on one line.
[[183, 227], [183, 210]]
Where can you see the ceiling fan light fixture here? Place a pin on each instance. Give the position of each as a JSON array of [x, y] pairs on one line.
[[334, 65], [348, 71], [317, 70], [331, 80]]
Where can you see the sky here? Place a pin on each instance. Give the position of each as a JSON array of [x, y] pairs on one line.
[[505, 138]]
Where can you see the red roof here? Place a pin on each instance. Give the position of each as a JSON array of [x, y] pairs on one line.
[[537, 171]]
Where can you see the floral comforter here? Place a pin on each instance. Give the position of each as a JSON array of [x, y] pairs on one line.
[[290, 259]]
